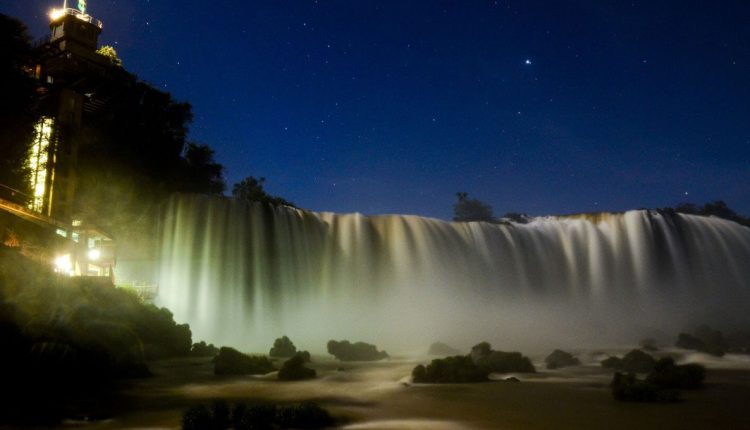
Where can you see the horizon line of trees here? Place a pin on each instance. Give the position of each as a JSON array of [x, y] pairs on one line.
[[470, 210]]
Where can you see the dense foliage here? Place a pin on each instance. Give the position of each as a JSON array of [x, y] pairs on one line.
[[704, 339], [467, 209], [282, 347], [219, 416], [294, 369], [64, 337], [500, 362], [635, 361], [229, 361], [558, 359], [16, 109], [450, 370], [201, 349], [662, 383], [359, 351], [251, 189]]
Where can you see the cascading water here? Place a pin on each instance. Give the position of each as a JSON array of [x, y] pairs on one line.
[[243, 274]]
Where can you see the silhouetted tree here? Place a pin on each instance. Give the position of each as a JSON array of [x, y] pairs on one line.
[[251, 189], [467, 209], [203, 174], [17, 100]]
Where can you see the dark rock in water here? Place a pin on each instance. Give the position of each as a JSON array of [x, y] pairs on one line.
[[283, 347], [661, 385], [201, 349], [458, 369], [442, 349], [649, 345], [294, 369], [628, 388], [511, 379], [667, 374], [635, 361], [359, 351], [560, 359], [704, 339], [232, 362], [498, 361]]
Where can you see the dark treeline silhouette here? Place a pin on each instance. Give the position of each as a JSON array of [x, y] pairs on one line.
[[717, 208], [251, 189], [17, 101]]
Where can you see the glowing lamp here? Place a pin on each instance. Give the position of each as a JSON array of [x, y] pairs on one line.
[[63, 264], [94, 254], [56, 14]]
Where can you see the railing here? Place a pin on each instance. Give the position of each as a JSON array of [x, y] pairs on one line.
[[59, 13]]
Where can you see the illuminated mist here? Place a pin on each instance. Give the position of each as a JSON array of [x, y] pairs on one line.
[[243, 274]]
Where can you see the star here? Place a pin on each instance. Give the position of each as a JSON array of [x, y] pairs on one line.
[[527, 62]]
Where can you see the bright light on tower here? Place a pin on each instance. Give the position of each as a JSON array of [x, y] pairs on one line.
[[56, 14]]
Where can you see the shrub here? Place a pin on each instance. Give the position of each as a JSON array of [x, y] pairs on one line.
[[282, 347], [201, 349], [359, 351], [703, 339], [229, 361], [635, 361], [457, 369], [560, 359], [667, 374], [498, 361], [294, 369]]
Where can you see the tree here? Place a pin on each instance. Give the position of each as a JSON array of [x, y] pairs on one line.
[[17, 100], [251, 189], [111, 54], [202, 173], [467, 209]]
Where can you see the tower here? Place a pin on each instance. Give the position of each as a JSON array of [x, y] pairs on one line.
[[68, 68]]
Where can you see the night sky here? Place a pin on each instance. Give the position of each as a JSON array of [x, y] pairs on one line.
[[392, 106]]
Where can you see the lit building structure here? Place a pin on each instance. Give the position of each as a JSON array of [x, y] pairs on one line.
[[73, 81]]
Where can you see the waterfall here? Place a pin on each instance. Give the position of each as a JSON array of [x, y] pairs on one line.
[[242, 274]]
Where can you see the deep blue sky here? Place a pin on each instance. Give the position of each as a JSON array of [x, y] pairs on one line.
[[393, 106]]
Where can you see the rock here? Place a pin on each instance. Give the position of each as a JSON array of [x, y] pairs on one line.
[[560, 359], [229, 361], [511, 379], [359, 351], [282, 347], [442, 349]]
